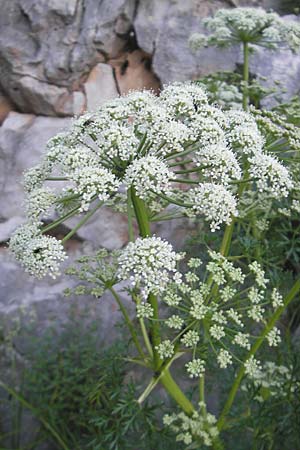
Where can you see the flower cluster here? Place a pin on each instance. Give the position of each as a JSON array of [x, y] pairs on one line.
[[148, 174], [271, 380], [38, 254], [229, 303], [200, 426], [150, 263], [215, 202], [251, 25], [175, 149]]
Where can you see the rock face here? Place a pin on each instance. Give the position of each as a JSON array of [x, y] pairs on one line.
[[22, 141], [48, 47], [281, 66]]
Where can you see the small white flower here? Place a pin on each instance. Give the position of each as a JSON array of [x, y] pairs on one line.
[[183, 98], [195, 368], [242, 339], [144, 311], [94, 182], [224, 358], [252, 367], [40, 255], [271, 176], [273, 337], [190, 338], [259, 273], [256, 312], [217, 332], [277, 299], [175, 322], [219, 164], [165, 349], [39, 201]]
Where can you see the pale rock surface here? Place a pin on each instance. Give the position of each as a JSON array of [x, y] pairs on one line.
[[100, 86], [22, 142]]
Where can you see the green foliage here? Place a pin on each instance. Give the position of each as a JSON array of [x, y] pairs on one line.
[[274, 423], [83, 392], [226, 88]]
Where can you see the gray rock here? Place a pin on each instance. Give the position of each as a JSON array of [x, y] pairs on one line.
[[9, 226], [47, 99], [22, 142], [281, 66], [163, 29], [47, 48]]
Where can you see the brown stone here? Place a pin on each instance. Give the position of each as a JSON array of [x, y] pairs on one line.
[[5, 107], [133, 71]]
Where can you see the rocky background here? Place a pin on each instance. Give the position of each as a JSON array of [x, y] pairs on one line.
[[59, 58]]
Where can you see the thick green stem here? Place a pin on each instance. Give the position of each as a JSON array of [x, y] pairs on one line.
[[227, 237], [175, 392], [246, 76], [270, 324], [165, 377]]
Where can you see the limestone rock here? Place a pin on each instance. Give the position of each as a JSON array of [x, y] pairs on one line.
[[47, 48], [9, 226], [163, 29], [100, 86], [281, 66], [22, 141]]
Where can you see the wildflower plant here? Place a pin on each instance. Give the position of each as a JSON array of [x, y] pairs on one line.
[[248, 27], [160, 158]]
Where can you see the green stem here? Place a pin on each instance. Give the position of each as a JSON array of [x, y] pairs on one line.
[[270, 324], [60, 220], [129, 323], [246, 76], [144, 229], [146, 337], [175, 392], [130, 217], [165, 377], [82, 222], [227, 237]]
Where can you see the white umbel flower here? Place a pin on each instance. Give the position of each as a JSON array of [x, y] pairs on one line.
[[224, 358], [183, 99], [39, 201], [118, 141], [215, 202], [148, 174], [165, 349], [219, 164], [195, 368], [271, 176], [252, 367], [251, 25], [149, 263], [94, 181], [40, 255]]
